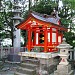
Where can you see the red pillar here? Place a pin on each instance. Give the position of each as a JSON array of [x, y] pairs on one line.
[[45, 40], [50, 39], [55, 49], [56, 37], [35, 37], [29, 39], [50, 35]]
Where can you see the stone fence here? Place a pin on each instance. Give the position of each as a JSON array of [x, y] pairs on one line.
[[72, 55], [5, 51]]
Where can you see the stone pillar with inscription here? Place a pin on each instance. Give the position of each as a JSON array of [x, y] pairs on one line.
[[13, 56], [64, 68]]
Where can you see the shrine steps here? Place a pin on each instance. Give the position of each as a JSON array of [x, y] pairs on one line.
[[27, 67], [33, 61], [25, 70], [17, 73]]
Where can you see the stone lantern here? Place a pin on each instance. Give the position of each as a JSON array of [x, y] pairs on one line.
[[64, 68], [64, 48], [13, 56]]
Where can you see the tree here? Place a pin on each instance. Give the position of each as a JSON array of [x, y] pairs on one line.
[[44, 7], [66, 13], [6, 23], [2, 20]]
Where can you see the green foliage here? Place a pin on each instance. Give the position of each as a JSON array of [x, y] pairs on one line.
[[6, 24], [66, 13], [70, 38], [69, 3], [44, 7]]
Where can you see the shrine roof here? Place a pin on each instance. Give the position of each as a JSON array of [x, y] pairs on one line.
[[46, 18], [41, 19]]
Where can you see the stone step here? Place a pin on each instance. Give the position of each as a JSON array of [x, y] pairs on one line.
[[17, 73], [25, 70], [32, 61], [27, 65], [30, 70]]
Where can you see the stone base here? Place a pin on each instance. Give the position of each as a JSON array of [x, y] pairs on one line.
[[47, 66], [64, 70], [40, 55], [47, 62], [14, 58]]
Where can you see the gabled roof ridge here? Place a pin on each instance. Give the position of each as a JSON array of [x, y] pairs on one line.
[[54, 18], [41, 15]]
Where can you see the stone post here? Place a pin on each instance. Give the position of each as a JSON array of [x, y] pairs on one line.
[[64, 68], [16, 33], [1, 47], [74, 53], [14, 57]]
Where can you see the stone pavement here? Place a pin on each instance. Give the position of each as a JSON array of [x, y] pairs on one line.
[[7, 73], [9, 69]]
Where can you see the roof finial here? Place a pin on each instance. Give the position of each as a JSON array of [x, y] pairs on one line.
[[64, 39]]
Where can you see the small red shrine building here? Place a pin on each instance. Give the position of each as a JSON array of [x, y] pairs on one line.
[[43, 31]]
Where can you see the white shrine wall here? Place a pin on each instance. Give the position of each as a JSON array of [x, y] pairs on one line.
[[37, 38], [59, 39], [53, 37], [48, 36]]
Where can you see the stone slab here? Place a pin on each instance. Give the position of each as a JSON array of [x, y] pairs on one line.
[[38, 54], [63, 73], [15, 58], [47, 61], [64, 70]]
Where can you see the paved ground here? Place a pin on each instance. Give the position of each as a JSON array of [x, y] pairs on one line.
[[9, 69], [7, 73]]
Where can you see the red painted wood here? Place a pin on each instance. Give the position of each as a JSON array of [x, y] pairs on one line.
[[45, 40], [29, 40], [34, 27], [56, 37], [50, 35]]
